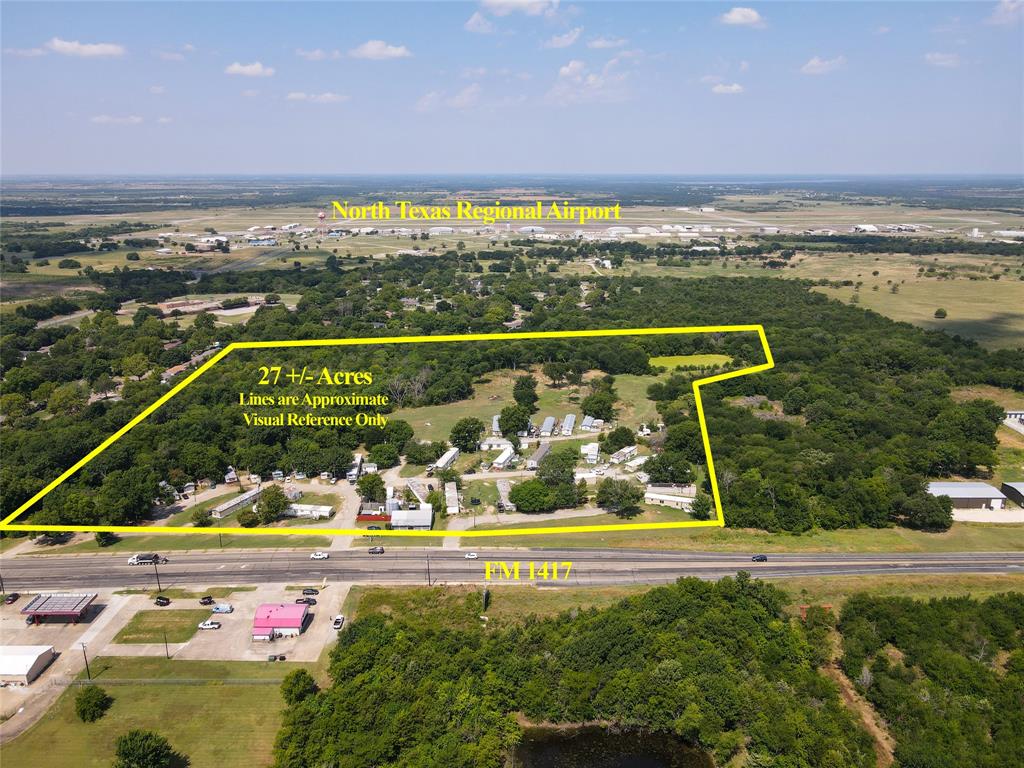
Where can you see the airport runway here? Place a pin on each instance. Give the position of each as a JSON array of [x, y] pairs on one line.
[[33, 573]]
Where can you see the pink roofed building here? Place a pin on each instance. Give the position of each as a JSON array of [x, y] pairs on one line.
[[279, 620]]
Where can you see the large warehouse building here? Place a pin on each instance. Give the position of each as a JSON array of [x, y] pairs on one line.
[[969, 495], [21, 664]]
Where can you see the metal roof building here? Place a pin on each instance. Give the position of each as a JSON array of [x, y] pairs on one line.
[[279, 620], [59, 606], [568, 424], [451, 499], [969, 495], [21, 664], [547, 427], [534, 461], [417, 519], [1014, 492]]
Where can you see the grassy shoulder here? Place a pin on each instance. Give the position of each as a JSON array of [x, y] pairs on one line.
[[156, 542], [172, 625], [462, 606], [178, 593], [961, 537]]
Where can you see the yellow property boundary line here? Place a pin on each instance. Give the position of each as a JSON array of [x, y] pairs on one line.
[[719, 521]]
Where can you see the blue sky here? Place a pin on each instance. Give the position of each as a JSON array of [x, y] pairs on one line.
[[505, 86]]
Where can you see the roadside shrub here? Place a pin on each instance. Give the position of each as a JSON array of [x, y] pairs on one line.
[[91, 703]]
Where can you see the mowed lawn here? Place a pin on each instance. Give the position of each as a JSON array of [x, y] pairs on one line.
[[168, 542], [212, 724], [962, 537], [177, 625]]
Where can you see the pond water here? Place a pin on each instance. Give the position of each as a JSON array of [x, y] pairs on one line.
[[596, 747]]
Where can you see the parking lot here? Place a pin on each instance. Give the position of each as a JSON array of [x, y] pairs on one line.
[[233, 640]]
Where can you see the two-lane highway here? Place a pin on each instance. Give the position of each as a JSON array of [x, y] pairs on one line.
[[420, 565]]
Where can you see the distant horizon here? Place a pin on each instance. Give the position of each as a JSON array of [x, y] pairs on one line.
[[694, 178]]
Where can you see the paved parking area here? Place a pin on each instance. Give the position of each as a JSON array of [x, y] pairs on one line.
[[233, 641]]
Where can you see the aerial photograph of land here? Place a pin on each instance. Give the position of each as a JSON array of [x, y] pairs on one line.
[[512, 384]]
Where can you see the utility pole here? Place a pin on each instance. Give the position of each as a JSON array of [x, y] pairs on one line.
[[167, 653], [2, 590], [88, 672], [220, 538], [428, 570], [157, 572]]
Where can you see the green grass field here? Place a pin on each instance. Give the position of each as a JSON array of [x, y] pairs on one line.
[[177, 593], [674, 361], [175, 542], [254, 710], [174, 625], [965, 537]]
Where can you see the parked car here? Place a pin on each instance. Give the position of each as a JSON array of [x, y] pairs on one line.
[[339, 622], [280, 657], [319, 556], [472, 555], [300, 475], [223, 608], [376, 550], [474, 501], [306, 600], [208, 600], [162, 601], [11, 598], [209, 624], [310, 591], [271, 657], [373, 527], [760, 558]]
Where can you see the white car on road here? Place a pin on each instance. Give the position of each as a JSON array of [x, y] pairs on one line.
[[209, 624], [472, 555], [319, 556], [339, 622]]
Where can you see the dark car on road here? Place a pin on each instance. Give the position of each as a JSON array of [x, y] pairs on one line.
[[760, 558], [11, 598], [376, 550], [207, 600], [162, 601], [310, 591], [306, 600]]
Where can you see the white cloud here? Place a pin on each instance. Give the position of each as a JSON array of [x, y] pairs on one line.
[[883, 30], [378, 50], [115, 120], [1006, 12], [727, 89], [819, 66], [256, 69], [317, 98], [156, 90], [465, 98], [564, 41], [529, 7], [744, 66], [944, 60], [712, 79], [479, 24], [165, 120], [473, 73], [25, 53], [578, 84], [607, 42], [742, 17], [85, 50], [317, 54]]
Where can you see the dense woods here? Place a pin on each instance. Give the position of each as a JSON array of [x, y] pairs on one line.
[[947, 675], [862, 412], [715, 664]]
